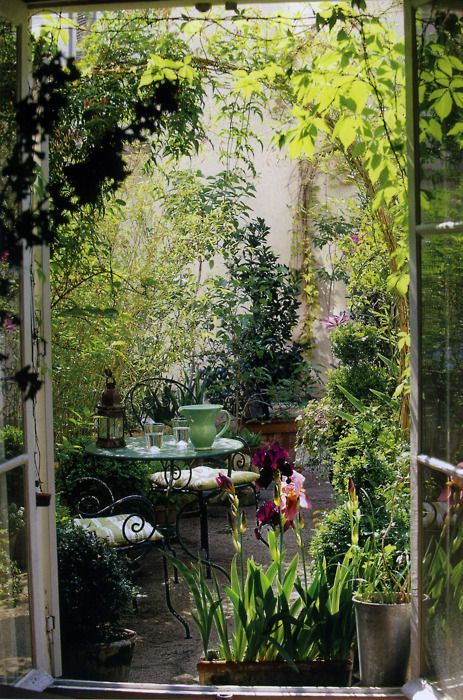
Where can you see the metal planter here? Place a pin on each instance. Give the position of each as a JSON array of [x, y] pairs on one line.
[[383, 637]]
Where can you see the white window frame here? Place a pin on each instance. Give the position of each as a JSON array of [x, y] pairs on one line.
[[37, 458], [44, 560]]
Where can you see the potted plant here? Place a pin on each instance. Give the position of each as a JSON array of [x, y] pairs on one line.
[[278, 631], [95, 591], [382, 607]]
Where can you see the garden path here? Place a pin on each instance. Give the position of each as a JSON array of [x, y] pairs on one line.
[[162, 655]]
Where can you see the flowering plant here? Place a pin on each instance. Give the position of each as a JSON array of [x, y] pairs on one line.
[[283, 512], [276, 613]]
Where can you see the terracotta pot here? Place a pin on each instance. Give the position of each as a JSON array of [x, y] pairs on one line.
[[282, 431], [102, 661], [320, 672]]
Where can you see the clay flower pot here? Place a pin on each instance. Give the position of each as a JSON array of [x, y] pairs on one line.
[[319, 672], [100, 661]]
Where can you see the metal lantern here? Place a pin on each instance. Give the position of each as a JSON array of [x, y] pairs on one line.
[[110, 416]]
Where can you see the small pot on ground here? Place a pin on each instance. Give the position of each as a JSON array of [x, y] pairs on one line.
[[320, 672], [100, 661], [383, 637]]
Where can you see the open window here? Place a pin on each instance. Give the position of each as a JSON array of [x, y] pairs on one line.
[[435, 45]]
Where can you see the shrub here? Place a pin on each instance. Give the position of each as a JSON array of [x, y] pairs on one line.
[[253, 361], [358, 348], [368, 468], [122, 479], [94, 586], [373, 453], [358, 381], [332, 536], [355, 343]]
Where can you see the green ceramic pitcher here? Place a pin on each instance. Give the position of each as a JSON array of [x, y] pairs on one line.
[[201, 418]]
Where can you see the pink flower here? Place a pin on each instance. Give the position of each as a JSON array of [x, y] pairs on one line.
[[332, 322], [9, 326], [293, 496], [4, 257]]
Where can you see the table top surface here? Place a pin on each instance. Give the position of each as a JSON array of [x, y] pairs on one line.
[[136, 449]]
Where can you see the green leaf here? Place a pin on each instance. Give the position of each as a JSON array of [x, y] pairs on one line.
[[359, 92], [443, 105], [345, 130], [146, 79]]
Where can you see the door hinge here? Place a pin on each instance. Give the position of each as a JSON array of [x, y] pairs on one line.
[[50, 622]]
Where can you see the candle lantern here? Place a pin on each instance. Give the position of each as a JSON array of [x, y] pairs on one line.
[[110, 416]]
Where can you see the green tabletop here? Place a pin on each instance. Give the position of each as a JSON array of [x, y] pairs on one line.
[[136, 449]]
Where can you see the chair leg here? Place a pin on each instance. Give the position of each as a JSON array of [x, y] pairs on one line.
[[168, 599], [204, 533]]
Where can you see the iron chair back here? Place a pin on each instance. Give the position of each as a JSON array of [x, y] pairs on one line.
[[158, 398]]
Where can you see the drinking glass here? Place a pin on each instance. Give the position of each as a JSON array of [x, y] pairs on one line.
[[153, 435], [181, 431]]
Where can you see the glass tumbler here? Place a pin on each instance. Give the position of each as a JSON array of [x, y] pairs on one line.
[[153, 435], [181, 431]]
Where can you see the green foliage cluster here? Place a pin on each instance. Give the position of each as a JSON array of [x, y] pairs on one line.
[[355, 343], [12, 439], [358, 347], [374, 454], [152, 271], [94, 585], [73, 464]]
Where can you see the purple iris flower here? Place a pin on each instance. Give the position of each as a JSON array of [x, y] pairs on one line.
[[267, 514], [270, 459]]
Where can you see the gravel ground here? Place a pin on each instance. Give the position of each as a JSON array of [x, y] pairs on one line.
[[162, 654]]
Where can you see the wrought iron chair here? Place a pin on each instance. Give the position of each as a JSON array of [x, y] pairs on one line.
[[159, 398], [128, 524]]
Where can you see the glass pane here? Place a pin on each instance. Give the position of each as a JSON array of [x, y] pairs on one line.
[[11, 442], [442, 347], [15, 622], [440, 86], [443, 580]]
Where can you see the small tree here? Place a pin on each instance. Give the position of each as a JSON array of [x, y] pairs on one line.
[[253, 355]]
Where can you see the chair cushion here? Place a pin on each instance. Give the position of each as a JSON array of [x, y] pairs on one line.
[[111, 529], [203, 478]]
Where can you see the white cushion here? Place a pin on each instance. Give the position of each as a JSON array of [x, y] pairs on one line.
[[203, 478], [112, 530]]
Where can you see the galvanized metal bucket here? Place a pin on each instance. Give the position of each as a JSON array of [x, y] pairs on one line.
[[383, 637]]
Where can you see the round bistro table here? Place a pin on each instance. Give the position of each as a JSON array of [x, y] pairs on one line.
[[174, 462]]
